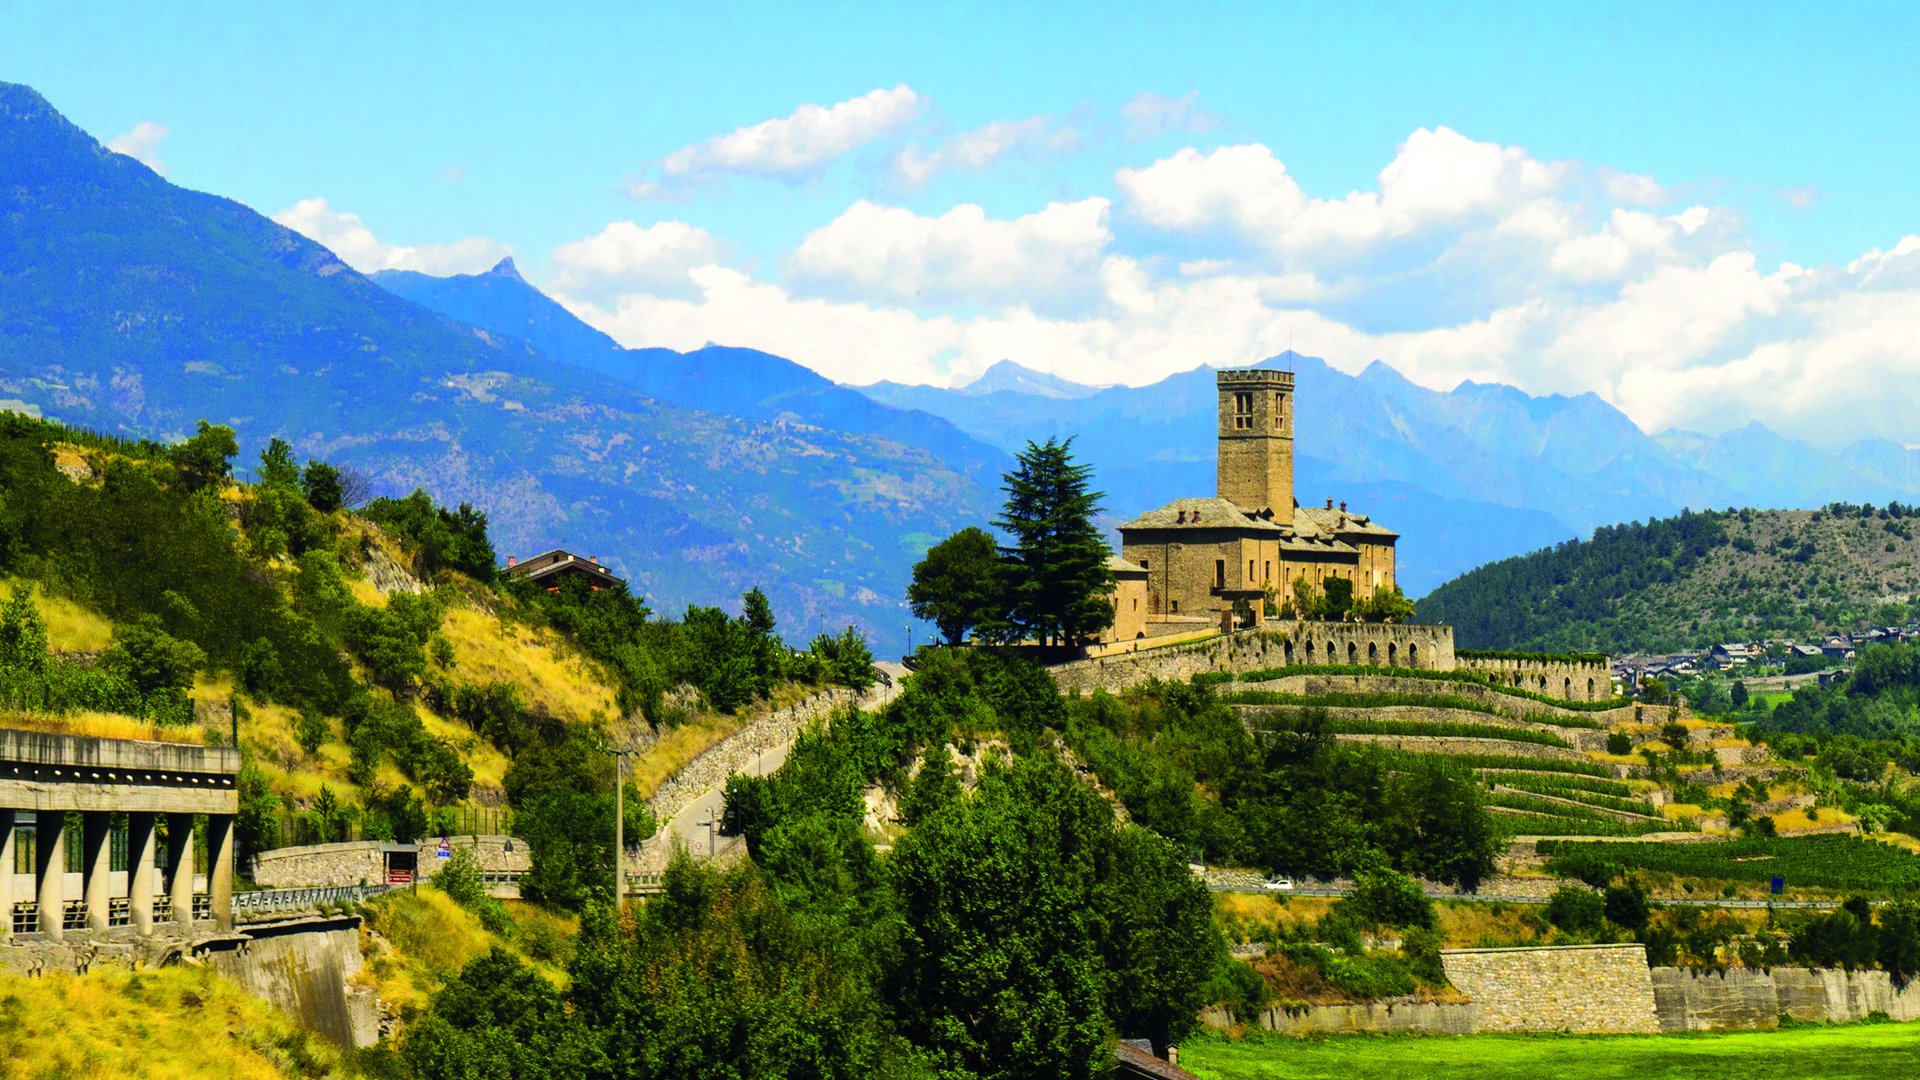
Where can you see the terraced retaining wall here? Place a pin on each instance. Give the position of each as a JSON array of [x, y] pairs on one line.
[[1568, 988], [1743, 999]]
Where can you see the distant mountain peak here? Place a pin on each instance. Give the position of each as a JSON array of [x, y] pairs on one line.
[[505, 269], [1008, 376]]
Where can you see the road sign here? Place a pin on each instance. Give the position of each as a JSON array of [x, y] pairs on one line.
[[444, 850], [1779, 885]]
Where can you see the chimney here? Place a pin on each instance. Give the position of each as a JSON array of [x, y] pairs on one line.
[[1182, 519], [1343, 506], [510, 562], [1329, 502], [1173, 1055], [595, 559]]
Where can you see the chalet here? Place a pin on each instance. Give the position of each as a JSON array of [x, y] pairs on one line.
[[553, 567], [1134, 1059]]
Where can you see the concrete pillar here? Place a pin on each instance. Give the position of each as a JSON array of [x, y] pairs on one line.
[[140, 848], [180, 866], [220, 868], [97, 835], [50, 870], [6, 873]]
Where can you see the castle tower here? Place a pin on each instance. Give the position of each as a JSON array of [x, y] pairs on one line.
[[1256, 441]]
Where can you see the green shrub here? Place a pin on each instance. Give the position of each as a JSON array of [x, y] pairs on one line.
[[1577, 911]]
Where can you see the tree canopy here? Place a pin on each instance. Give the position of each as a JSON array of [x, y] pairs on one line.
[[1058, 587]]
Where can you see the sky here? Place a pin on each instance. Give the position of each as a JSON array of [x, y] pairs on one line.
[[1703, 213]]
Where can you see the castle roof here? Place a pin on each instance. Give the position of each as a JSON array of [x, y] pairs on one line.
[[1307, 535], [1202, 514], [1340, 522], [1118, 565]]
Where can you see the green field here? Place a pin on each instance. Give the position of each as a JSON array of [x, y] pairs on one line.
[[1854, 1052]]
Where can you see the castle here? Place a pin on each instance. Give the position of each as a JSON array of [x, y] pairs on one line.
[[1222, 560]]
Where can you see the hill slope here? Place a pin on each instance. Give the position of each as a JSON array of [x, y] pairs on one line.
[[132, 306], [1693, 580]]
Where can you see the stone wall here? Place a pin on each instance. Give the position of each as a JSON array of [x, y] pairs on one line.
[[1743, 999], [1396, 1016], [1511, 704], [306, 970], [1578, 738], [1571, 680], [364, 862], [732, 754], [1453, 746], [1278, 644], [1568, 988]]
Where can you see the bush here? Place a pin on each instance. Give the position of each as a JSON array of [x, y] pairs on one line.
[[1388, 898], [1619, 744], [1577, 911]]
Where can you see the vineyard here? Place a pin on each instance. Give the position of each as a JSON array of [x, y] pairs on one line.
[[1539, 785], [1523, 824], [1444, 731], [1840, 863], [1386, 700]]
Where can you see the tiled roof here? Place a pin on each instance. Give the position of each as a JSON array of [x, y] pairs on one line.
[[1133, 1061], [1306, 535], [1341, 522], [1118, 565]]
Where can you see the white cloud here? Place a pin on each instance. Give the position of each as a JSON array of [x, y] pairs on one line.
[[1149, 116], [1800, 198], [625, 257], [791, 147], [142, 144], [878, 251], [348, 237], [974, 151], [1465, 260]]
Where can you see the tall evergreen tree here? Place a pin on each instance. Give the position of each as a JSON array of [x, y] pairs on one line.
[[1058, 585]]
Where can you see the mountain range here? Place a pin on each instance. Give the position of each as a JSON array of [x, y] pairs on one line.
[[137, 307], [133, 306]]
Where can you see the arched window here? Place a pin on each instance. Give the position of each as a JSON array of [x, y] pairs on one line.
[[1353, 654], [1567, 690], [1413, 656], [1393, 655], [1309, 650], [1590, 696], [1373, 655], [1289, 652]]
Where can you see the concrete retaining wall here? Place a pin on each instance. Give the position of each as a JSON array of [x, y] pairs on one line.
[[1745, 999], [306, 970], [1395, 1016], [1571, 988]]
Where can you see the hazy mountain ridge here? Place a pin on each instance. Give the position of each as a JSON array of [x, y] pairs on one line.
[[1468, 475], [136, 307]]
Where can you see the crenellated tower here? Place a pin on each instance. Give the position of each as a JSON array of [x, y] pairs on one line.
[[1255, 470]]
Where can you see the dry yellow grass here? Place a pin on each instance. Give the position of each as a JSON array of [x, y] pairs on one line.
[[176, 1023], [100, 726], [1467, 925], [1799, 820], [679, 746], [70, 627], [548, 674]]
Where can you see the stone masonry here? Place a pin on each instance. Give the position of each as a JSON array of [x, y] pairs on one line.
[[364, 862], [1576, 988], [1278, 644]]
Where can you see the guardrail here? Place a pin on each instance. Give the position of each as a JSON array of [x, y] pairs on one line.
[[1489, 898], [287, 901]]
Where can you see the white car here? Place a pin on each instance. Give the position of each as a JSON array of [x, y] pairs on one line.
[[1279, 884]]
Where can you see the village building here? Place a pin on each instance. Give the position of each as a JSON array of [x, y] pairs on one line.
[[1224, 561], [551, 568]]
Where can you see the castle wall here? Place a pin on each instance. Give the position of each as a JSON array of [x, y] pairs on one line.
[[1278, 644], [1570, 680]]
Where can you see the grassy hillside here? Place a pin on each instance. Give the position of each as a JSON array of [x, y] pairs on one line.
[[381, 680], [1693, 580]]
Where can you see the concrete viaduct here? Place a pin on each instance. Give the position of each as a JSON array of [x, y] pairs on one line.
[[126, 886]]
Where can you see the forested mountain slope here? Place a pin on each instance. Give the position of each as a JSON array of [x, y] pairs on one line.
[[1696, 579], [132, 306]]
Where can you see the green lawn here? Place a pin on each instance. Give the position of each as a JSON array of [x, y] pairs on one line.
[[1831, 1053]]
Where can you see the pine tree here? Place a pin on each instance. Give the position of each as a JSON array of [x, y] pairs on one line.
[[1057, 582]]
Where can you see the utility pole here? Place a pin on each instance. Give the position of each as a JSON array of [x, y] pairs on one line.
[[619, 834]]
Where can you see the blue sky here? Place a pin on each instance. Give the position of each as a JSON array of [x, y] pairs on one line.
[[1694, 211]]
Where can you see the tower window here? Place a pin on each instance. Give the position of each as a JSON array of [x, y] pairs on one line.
[[1243, 410]]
